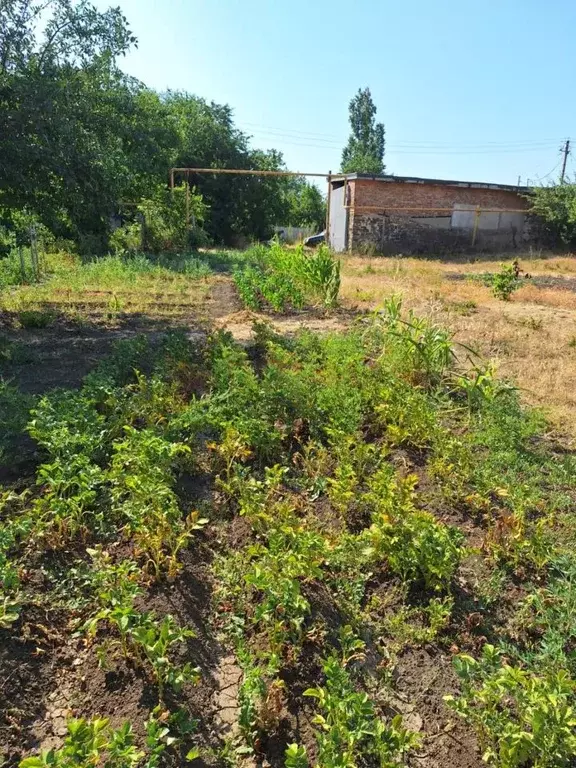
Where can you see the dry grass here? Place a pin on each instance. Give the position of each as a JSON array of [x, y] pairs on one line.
[[531, 339]]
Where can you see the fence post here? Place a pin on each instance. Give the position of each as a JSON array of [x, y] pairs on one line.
[[34, 254], [22, 264], [328, 199], [476, 224]]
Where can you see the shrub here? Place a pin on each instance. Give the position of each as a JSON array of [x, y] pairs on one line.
[[126, 239], [522, 718], [505, 282], [555, 209], [165, 226], [35, 318]]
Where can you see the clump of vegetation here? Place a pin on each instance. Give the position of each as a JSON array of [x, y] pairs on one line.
[[522, 717], [170, 222], [282, 277], [347, 721], [505, 282], [554, 209]]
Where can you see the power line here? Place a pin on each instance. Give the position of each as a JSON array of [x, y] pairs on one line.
[[398, 149], [541, 178], [416, 147], [290, 133]]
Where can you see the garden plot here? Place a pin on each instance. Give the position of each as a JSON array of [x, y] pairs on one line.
[[338, 549]]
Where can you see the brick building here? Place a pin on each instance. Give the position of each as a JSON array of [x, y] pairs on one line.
[[400, 214]]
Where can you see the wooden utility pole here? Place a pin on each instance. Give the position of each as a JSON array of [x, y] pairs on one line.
[[566, 152]]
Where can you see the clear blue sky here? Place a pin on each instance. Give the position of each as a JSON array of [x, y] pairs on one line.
[[467, 90]]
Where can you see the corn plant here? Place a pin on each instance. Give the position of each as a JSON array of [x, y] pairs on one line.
[[283, 277], [320, 273]]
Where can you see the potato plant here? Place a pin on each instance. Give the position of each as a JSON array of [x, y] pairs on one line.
[[309, 480]]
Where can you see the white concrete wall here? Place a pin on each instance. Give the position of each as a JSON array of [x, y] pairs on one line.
[[464, 216]]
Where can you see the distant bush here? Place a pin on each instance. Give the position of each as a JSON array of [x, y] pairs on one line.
[[555, 209], [165, 226], [126, 239]]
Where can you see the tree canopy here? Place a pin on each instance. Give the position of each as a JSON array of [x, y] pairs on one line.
[[364, 152], [83, 142]]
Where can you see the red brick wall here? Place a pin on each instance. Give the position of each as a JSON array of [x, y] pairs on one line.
[[397, 194]]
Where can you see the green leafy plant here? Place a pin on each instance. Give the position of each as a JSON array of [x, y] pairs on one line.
[[172, 220], [35, 318], [320, 273], [283, 277], [419, 547], [349, 729], [87, 743], [14, 413], [505, 282], [142, 496], [295, 756], [522, 717], [148, 641]]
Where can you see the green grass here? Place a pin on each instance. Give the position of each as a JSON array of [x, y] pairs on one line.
[[366, 469], [105, 288]]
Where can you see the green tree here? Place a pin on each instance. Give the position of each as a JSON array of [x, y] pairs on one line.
[[306, 205], [242, 205], [554, 207], [59, 32], [82, 141], [68, 115], [364, 152]]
